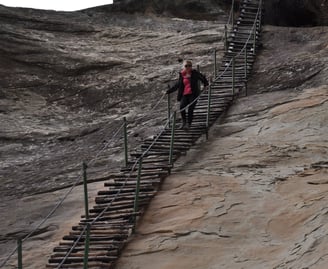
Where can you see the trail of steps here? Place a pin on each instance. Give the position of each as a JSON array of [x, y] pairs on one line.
[[113, 217]]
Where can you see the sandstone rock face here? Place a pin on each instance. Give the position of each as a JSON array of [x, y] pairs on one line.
[[68, 79], [253, 196]]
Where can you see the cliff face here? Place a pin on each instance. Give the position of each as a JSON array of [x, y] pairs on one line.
[[296, 12], [277, 12], [258, 187]]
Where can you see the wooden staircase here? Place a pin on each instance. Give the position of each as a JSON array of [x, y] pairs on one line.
[[113, 217]]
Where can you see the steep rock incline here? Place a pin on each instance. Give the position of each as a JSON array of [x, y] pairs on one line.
[[67, 80], [255, 195], [90, 78], [277, 12]]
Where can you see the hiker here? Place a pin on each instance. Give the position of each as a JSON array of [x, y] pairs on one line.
[[188, 90]]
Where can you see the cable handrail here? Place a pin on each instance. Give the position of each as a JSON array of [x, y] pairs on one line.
[[71, 188], [112, 200]]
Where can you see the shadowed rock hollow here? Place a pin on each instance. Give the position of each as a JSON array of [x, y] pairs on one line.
[[253, 196]]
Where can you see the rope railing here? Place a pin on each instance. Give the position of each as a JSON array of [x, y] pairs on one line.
[[138, 160], [54, 209]]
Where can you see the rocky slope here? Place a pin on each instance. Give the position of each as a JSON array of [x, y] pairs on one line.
[[255, 195], [67, 80], [277, 12]]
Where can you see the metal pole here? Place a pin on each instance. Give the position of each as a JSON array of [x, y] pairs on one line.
[[85, 183], [232, 14], [260, 19], [136, 197], [254, 41], [126, 159], [172, 140], [246, 60], [19, 253], [225, 38], [169, 108], [246, 69], [233, 76], [86, 247], [208, 110], [215, 64], [198, 69]]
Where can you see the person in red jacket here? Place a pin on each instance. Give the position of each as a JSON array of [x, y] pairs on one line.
[[188, 90]]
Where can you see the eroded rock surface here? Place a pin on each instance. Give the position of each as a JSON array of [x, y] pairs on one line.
[[253, 196]]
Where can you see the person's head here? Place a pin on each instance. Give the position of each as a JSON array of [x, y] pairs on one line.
[[187, 65]]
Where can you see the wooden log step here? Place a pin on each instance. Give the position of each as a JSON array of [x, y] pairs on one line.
[[79, 252], [118, 184], [168, 139], [96, 265], [100, 234], [218, 102], [242, 43], [124, 190], [109, 243], [167, 143], [149, 159], [95, 228], [114, 250], [101, 207], [113, 223], [124, 196], [129, 205], [69, 260], [115, 205], [101, 200], [111, 215], [246, 12], [109, 206], [244, 38], [122, 218], [139, 154], [167, 147], [133, 175], [145, 167], [181, 133], [251, 5], [145, 178]]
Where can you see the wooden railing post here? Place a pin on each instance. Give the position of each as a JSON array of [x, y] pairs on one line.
[[172, 141], [19, 254], [125, 130], [208, 110], [85, 184], [136, 197], [233, 76], [169, 108]]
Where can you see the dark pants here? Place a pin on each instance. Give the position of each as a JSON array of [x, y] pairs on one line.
[[185, 101]]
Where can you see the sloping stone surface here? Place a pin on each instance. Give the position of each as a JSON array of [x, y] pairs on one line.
[[254, 196]]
